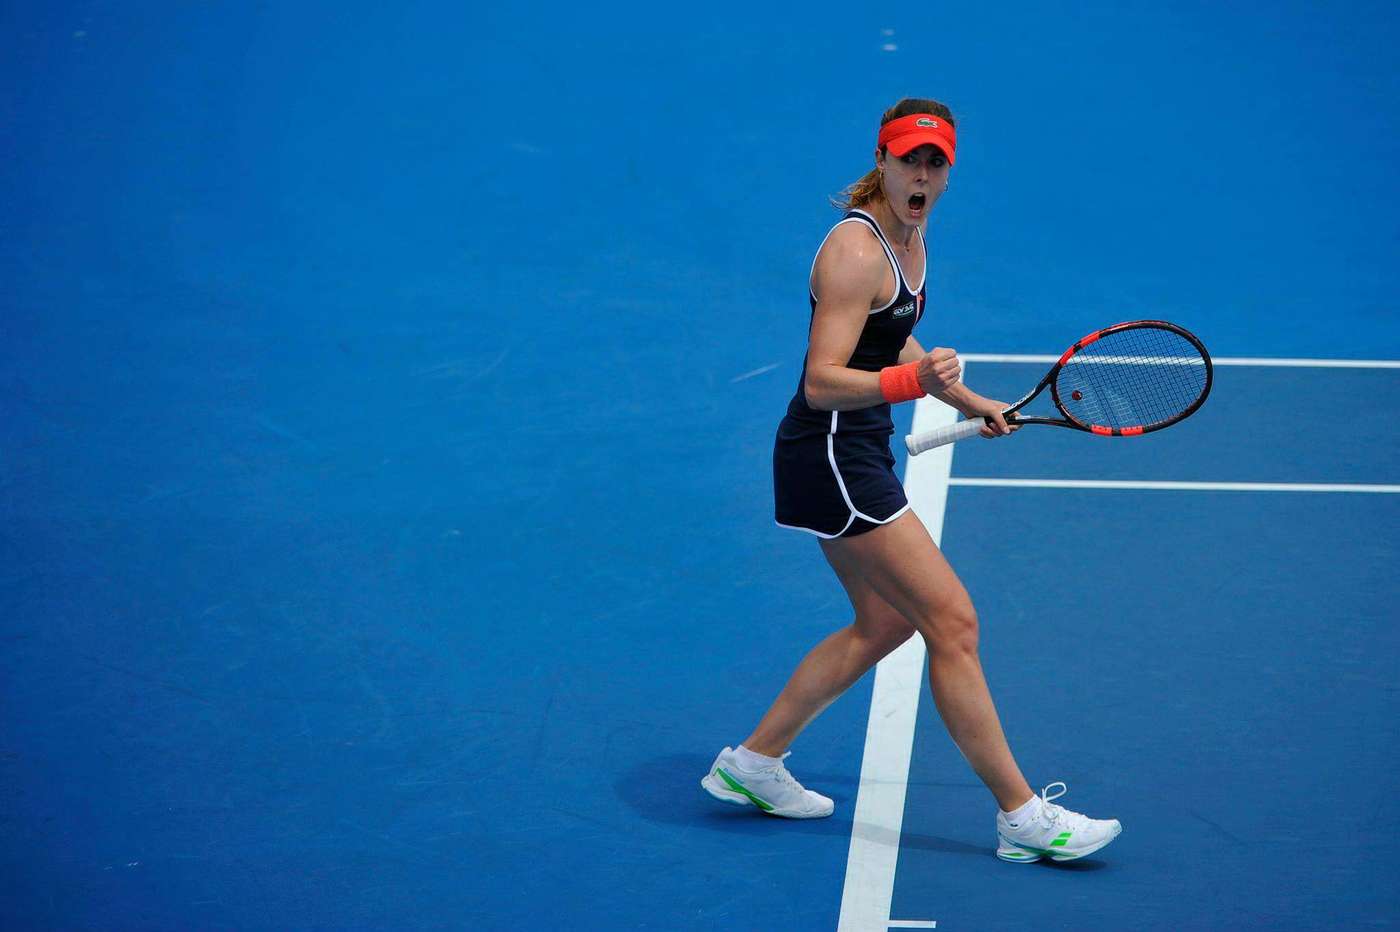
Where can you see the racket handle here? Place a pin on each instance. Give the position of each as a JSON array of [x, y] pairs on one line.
[[918, 443]]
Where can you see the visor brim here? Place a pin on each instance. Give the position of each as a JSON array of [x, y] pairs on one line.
[[907, 143]]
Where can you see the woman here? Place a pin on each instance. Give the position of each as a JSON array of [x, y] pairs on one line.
[[834, 477]]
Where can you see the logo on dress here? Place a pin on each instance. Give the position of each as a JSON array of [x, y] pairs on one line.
[[904, 310]]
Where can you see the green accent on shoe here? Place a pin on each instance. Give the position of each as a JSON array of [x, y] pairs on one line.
[[1061, 841], [1044, 851], [1052, 855], [738, 787]]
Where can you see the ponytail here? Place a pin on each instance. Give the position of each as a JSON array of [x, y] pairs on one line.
[[862, 192]]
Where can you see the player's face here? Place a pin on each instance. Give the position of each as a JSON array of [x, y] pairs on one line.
[[914, 181]]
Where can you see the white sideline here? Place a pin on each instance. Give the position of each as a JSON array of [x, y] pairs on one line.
[[889, 733]]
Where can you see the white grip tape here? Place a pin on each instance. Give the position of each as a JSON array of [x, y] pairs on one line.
[[918, 443]]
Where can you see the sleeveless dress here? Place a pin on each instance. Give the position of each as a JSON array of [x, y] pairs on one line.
[[833, 472]]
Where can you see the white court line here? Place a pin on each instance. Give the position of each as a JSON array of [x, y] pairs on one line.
[[753, 372], [1219, 361], [1177, 486], [889, 736], [894, 705], [1140, 360]]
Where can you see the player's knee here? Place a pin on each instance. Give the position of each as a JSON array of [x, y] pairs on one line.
[[952, 629]]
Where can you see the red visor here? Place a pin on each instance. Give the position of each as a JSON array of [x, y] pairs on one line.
[[905, 134]]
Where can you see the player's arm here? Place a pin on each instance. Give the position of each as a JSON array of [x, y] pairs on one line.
[[959, 396], [850, 274]]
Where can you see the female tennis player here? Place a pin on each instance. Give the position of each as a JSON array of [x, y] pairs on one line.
[[833, 476]]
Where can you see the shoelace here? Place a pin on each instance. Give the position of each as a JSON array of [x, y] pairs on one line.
[[786, 778], [1053, 814]]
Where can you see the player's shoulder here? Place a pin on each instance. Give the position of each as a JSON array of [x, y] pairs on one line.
[[852, 233], [851, 248]]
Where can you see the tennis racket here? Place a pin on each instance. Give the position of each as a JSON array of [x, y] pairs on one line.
[[1121, 381]]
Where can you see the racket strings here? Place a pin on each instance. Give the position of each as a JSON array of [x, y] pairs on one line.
[[1139, 377]]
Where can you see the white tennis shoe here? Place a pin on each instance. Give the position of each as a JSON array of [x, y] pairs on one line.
[[773, 790], [1053, 832]]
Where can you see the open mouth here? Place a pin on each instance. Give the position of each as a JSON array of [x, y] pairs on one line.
[[916, 202]]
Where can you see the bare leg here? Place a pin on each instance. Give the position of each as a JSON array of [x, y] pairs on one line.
[[901, 563], [830, 669]]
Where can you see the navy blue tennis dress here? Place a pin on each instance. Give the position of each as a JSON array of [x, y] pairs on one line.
[[833, 472]]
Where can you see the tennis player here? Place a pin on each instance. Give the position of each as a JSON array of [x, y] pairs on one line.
[[833, 477]]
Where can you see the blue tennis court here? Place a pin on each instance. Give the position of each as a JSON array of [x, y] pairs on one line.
[[387, 399]]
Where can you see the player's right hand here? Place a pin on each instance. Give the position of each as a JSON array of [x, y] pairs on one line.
[[939, 370]]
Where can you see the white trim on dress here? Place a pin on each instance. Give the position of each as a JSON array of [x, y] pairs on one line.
[[889, 251], [845, 496], [889, 254]]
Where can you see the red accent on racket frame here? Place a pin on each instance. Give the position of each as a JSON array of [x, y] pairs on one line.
[[1130, 431], [1079, 346], [1103, 431]]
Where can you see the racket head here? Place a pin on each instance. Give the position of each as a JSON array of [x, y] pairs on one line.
[[1132, 378]]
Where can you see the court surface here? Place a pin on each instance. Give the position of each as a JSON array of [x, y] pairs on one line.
[[386, 404]]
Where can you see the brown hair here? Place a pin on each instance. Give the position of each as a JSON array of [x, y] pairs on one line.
[[867, 188]]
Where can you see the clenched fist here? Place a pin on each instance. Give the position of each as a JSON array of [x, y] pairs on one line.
[[939, 370]]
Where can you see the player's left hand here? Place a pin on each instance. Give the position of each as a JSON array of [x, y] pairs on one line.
[[990, 407]]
